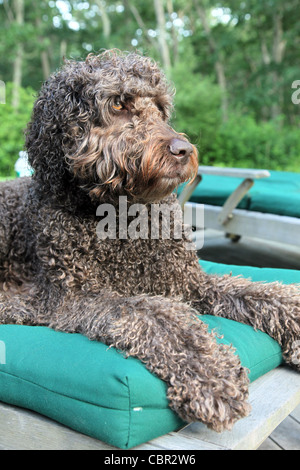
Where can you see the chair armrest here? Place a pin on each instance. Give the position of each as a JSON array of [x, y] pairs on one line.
[[248, 176], [233, 172]]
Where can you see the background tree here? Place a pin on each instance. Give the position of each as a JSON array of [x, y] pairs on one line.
[[232, 62]]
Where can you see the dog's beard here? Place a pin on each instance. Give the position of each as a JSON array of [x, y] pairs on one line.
[[164, 174], [109, 165]]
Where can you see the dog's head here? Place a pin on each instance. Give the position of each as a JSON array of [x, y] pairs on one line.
[[101, 126]]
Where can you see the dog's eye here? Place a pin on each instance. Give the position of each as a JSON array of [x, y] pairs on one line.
[[117, 105]]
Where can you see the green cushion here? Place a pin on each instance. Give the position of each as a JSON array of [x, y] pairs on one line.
[[286, 276], [84, 385], [257, 351], [214, 190], [96, 390], [279, 194]]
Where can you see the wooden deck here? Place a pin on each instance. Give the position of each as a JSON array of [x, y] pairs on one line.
[[249, 252], [261, 253], [286, 436]]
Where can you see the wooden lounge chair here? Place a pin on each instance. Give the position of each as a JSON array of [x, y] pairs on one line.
[[254, 203], [273, 395]]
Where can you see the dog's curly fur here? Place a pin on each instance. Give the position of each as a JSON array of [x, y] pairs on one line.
[[99, 130]]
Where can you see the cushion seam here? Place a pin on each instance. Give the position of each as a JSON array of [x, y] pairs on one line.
[[59, 393], [267, 359], [155, 407], [129, 413]]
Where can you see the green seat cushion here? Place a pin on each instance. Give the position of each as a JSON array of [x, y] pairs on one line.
[[83, 384], [286, 276], [97, 391], [279, 194], [214, 190]]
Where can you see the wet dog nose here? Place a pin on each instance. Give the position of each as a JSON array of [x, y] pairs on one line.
[[180, 149]]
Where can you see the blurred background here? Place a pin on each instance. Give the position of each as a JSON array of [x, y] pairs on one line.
[[234, 64]]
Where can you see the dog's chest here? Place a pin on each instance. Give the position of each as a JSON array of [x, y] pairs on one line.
[[129, 266], [73, 255]]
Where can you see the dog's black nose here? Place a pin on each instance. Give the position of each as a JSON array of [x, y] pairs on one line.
[[180, 148]]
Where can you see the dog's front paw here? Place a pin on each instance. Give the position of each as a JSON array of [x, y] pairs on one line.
[[291, 335], [217, 396], [292, 354]]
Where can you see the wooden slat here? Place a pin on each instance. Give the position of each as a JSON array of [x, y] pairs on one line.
[[251, 224], [248, 252], [25, 430], [268, 444], [233, 172], [287, 434], [178, 441], [188, 190], [296, 414], [272, 398], [233, 201]]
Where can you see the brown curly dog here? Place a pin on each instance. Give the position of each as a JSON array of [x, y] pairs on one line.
[[99, 131]]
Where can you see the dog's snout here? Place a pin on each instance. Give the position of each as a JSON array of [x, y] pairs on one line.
[[181, 149]]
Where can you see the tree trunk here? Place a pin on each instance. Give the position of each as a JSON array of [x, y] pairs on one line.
[[266, 58], [63, 50], [279, 45], [142, 25], [18, 6], [44, 54], [164, 49], [219, 66], [170, 8], [45, 64], [105, 20]]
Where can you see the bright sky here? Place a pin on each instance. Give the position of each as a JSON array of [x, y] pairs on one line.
[[219, 14]]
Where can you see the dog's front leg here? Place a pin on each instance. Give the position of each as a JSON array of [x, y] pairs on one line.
[[19, 309], [270, 307], [205, 380]]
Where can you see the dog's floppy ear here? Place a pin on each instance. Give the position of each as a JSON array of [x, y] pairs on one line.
[[61, 117], [44, 140]]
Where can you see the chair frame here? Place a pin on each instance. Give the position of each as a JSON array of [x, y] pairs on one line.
[[239, 222]]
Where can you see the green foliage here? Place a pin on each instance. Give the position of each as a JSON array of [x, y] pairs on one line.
[[256, 43], [242, 142], [197, 105], [12, 128]]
